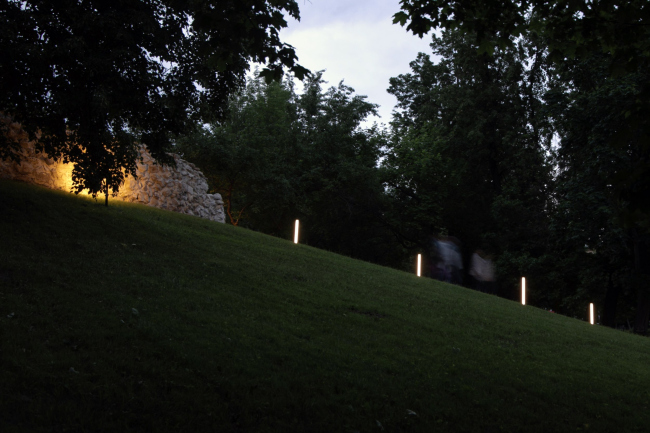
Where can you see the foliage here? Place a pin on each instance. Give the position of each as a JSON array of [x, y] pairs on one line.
[[249, 157], [572, 29], [473, 127], [616, 33], [341, 193], [279, 156], [418, 181], [92, 78], [588, 108]]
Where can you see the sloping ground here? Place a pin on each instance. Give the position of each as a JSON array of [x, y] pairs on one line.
[[130, 318]]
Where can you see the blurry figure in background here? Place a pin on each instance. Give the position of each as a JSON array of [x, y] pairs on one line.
[[452, 262], [482, 270], [436, 265]]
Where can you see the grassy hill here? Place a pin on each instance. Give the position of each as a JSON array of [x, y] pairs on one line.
[[130, 318]]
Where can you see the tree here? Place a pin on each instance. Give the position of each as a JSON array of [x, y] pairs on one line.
[[250, 156], [278, 156], [470, 150], [341, 194], [588, 108], [571, 28], [92, 79], [574, 30], [418, 181]]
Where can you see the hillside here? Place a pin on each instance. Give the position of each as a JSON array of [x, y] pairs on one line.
[[130, 318]]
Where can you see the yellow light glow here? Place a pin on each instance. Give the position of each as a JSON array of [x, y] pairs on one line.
[[591, 313], [523, 290], [295, 234], [63, 180], [419, 265]]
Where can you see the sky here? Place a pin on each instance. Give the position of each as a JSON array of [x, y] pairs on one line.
[[355, 41]]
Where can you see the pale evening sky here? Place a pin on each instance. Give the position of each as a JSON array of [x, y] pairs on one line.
[[355, 41]]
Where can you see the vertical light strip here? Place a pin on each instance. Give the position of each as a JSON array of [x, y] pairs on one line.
[[419, 265], [591, 313], [295, 234], [523, 290]]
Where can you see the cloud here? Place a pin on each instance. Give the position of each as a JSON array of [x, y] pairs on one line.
[[365, 55], [357, 42]]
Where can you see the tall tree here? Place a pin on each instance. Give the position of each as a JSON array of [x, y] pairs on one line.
[[574, 30], [476, 118], [91, 78], [341, 191], [571, 28], [278, 156], [588, 107], [250, 156]]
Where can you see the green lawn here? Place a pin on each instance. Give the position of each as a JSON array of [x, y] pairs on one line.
[[130, 318]]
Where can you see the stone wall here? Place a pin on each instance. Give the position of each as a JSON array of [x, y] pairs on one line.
[[181, 189]]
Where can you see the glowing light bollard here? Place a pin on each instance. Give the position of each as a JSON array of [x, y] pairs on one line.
[[523, 290], [295, 233], [419, 268], [591, 313]]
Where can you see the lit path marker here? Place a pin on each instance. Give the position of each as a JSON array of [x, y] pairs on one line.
[[523, 290], [591, 313], [295, 234], [419, 265]]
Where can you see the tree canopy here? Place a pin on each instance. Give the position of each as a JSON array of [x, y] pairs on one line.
[[93, 79], [571, 28], [468, 154], [279, 155], [615, 37]]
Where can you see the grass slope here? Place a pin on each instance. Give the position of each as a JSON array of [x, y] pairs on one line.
[[236, 331]]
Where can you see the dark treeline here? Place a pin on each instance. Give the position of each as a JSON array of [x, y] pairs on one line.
[[508, 152], [280, 156]]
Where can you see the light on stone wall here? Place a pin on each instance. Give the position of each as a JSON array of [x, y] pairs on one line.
[[591, 313], [523, 290], [65, 177], [182, 189], [419, 271], [295, 233]]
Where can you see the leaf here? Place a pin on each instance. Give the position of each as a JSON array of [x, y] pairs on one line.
[[400, 18], [486, 47]]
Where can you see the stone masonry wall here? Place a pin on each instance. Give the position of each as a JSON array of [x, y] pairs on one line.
[[181, 189]]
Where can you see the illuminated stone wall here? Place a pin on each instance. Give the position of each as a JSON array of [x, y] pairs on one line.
[[181, 189]]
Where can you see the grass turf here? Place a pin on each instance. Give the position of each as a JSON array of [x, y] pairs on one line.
[[131, 318]]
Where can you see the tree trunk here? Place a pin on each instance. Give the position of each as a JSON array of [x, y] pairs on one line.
[[611, 301], [641, 277], [642, 312], [106, 195]]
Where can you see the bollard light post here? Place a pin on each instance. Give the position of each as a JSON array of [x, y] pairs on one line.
[[591, 313], [419, 270], [523, 290], [295, 234]]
